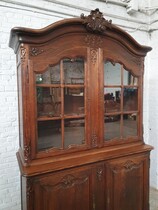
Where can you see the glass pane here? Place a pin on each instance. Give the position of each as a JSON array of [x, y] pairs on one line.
[[129, 79], [73, 71], [130, 99], [48, 101], [129, 125], [49, 134], [73, 101], [74, 132], [112, 98], [112, 74], [111, 127], [50, 76]]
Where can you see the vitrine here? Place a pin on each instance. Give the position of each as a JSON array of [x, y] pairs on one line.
[[80, 91]]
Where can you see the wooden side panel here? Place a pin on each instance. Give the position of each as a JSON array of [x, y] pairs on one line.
[[127, 183]]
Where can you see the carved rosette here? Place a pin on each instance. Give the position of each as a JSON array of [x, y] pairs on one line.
[[95, 22], [27, 150], [34, 51]]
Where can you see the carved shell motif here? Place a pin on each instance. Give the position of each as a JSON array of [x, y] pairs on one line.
[[95, 22]]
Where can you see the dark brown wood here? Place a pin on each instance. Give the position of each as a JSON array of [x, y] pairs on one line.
[[130, 183], [81, 146]]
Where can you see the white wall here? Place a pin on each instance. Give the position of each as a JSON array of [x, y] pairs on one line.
[[153, 108], [40, 13]]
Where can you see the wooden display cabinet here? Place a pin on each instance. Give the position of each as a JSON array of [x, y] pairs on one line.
[[80, 88]]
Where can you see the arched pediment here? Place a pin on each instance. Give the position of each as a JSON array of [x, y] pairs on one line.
[[94, 23]]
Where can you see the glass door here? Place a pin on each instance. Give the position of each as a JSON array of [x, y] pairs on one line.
[[121, 110], [60, 96]]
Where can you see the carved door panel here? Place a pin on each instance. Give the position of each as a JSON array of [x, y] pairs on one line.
[[61, 191], [127, 184]]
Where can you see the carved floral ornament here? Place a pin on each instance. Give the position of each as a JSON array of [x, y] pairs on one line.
[[66, 182], [27, 149], [100, 174], [93, 41], [22, 53], [127, 166], [34, 51], [94, 138], [29, 188], [95, 22]]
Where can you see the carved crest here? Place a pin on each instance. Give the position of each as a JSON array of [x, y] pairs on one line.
[[95, 22]]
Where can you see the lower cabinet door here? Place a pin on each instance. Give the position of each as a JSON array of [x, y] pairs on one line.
[[127, 183], [73, 189], [69, 190]]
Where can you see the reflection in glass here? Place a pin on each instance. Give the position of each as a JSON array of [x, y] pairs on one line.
[[49, 134], [112, 98], [48, 101], [74, 132], [73, 101], [130, 99], [73, 71], [111, 127], [129, 79], [50, 76], [129, 125], [112, 74]]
